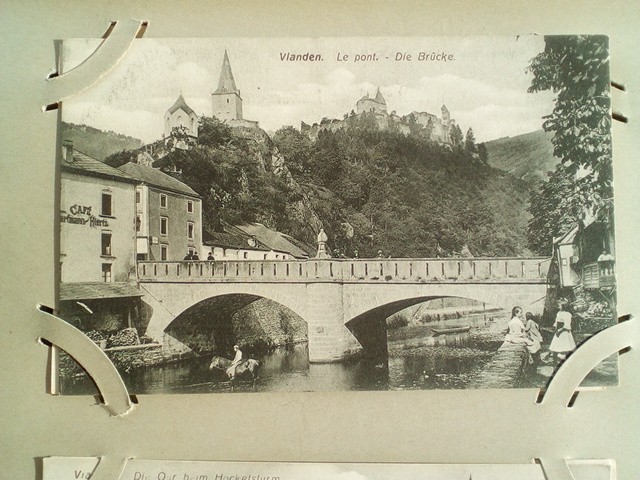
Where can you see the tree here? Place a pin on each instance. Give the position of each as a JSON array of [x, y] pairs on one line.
[[470, 141], [483, 153], [455, 135], [120, 158], [295, 146], [576, 69], [554, 210]]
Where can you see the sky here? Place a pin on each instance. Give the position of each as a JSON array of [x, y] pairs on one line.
[[483, 83]]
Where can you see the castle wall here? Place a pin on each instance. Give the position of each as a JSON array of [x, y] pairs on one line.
[[370, 105]]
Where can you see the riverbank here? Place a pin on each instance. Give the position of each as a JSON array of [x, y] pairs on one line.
[[506, 369]]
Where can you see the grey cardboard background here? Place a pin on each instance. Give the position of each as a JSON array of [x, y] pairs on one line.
[[432, 426]]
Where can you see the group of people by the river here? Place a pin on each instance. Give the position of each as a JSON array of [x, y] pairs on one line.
[[523, 329]]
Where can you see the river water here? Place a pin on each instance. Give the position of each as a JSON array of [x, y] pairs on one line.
[[418, 359]]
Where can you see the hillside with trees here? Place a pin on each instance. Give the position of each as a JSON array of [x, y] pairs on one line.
[[371, 190], [528, 157], [97, 143]]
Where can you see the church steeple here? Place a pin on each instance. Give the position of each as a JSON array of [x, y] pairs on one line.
[[226, 101], [226, 84], [379, 97]]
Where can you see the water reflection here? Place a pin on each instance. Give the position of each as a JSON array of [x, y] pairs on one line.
[[418, 359]]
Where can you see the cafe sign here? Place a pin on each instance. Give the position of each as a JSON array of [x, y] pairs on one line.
[[81, 215]]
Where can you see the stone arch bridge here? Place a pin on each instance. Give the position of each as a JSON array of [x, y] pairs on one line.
[[344, 302]]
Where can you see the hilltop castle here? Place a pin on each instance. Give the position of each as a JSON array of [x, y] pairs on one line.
[[437, 128]]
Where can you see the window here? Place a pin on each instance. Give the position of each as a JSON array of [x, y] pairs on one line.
[[163, 252], [190, 230], [189, 206], [106, 244], [138, 196], [106, 272], [138, 223], [163, 200], [164, 226], [106, 205]]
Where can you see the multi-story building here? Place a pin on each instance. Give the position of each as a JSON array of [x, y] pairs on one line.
[[97, 243], [168, 215]]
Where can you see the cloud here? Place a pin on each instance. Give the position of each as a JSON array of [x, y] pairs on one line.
[[133, 97]]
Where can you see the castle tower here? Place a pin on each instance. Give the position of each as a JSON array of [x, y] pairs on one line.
[[445, 115], [180, 115], [368, 104], [226, 101]]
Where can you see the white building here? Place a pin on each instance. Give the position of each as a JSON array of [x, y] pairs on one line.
[[97, 243]]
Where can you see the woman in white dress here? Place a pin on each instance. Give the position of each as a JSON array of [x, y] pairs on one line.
[[562, 343], [517, 333]]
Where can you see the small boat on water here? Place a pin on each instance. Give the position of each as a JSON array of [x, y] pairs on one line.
[[441, 331]]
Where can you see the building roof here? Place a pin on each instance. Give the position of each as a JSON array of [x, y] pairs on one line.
[[226, 84], [568, 237], [83, 164], [233, 237], [180, 103], [97, 290], [273, 239], [378, 98], [156, 178]]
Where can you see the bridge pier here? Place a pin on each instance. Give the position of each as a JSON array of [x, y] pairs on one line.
[[329, 339]]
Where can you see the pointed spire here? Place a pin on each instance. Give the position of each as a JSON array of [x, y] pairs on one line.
[[226, 84], [379, 97]]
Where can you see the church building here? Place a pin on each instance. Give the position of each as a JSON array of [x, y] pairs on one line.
[[180, 115], [226, 100]]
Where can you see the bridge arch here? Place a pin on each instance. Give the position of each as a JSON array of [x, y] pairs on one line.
[[167, 302], [392, 298], [216, 323], [370, 327]]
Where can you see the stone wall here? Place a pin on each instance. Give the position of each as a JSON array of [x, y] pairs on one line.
[[506, 369], [125, 358], [216, 324], [264, 323]]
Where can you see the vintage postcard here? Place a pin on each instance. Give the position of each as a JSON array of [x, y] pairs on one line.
[[339, 213], [61, 468]]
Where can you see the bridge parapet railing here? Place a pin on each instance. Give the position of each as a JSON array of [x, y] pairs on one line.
[[430, 270]]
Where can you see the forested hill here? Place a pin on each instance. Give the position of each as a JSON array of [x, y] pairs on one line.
[[97, 143], [405, 195], [528, 156], [370, 190]]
